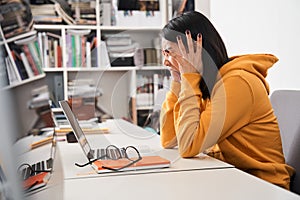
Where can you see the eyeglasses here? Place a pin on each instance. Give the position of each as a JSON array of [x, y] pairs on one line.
[[26, 170], [114, 153]]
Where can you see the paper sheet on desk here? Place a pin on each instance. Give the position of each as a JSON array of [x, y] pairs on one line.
[[87, 128], [24, 144]]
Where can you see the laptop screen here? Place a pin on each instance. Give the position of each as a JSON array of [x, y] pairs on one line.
[[76, 128]]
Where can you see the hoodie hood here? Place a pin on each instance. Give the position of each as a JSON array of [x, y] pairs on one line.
[[257, 64]]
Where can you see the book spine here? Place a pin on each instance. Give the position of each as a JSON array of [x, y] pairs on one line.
[[26, 65], [30, 60], [73, 57], [35, 56], [55, 44], [77, 50], [13, 77], [4, 80], [51, 52], [83, 51], [38, 51], [14, 68], [59, 56], [88, 55], [45, 50], [69, 50], [19, 64], [40, 44]]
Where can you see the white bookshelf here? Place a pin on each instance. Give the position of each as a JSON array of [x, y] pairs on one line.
[[13, 66], [115, 82]]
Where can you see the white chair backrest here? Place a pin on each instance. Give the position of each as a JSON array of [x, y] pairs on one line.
[[286, 105], [159, 99]]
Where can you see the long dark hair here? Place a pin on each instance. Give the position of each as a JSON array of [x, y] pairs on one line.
[[214, 54]]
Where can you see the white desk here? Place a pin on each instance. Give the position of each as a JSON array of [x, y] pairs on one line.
[[225, 184], [198, 178], [122, 134]]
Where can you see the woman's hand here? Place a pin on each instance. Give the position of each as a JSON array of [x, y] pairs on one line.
[[190, 60], [172, 66], [175, 74]]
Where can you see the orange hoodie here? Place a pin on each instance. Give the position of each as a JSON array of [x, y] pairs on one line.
[[237, 125]]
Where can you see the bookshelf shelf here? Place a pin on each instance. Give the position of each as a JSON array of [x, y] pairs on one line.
[[143, 28], [144, 107], [28, 34], [53, 69], [59, 26], [26, 81]]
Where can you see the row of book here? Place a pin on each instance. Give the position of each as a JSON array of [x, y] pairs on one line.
[[16, 17], [112, 12], [124, 51], [81, 45], [64, 11], [23, 61]]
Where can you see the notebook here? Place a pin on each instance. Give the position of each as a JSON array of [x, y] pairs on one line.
[[147, 162]]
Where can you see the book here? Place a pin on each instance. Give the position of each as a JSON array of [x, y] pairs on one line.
[[52, 51], [36, 181], [147, 162], [4, 81], [30, 60], [40, 43], [32, 51], [13, 75], [65, 16], [105, 14], [118, 39], [76, 41], [19, 64], [59, 56], [35, 55], [45, 50], [26, 65], [88, 55], [55, 53], [69, 50]]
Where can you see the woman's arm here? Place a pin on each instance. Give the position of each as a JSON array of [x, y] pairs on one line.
[[199, 127], [167, 129]]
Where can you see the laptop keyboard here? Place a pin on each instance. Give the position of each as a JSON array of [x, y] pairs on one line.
[[112, 154], [44, 165]]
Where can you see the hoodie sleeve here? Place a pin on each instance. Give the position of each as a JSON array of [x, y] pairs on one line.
[[167, 128], [197, 127]]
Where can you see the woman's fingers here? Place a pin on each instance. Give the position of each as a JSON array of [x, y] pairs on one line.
[[181, 46], [199, 43], [190, 45], [199, 48]]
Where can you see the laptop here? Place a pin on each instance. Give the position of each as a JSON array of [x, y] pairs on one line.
[[146, 162], [36, 174]]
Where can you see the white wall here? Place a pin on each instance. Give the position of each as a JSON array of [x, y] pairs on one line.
[[268, 26]]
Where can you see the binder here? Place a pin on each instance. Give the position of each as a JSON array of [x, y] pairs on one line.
[[58, 88]]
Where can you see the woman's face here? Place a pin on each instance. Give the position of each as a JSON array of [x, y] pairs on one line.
[[167, 47]]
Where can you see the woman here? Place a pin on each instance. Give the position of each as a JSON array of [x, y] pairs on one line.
[[217, 104]]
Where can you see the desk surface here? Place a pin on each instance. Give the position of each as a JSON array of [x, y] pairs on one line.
[[123, 134], [198, 178], [197, 184]]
